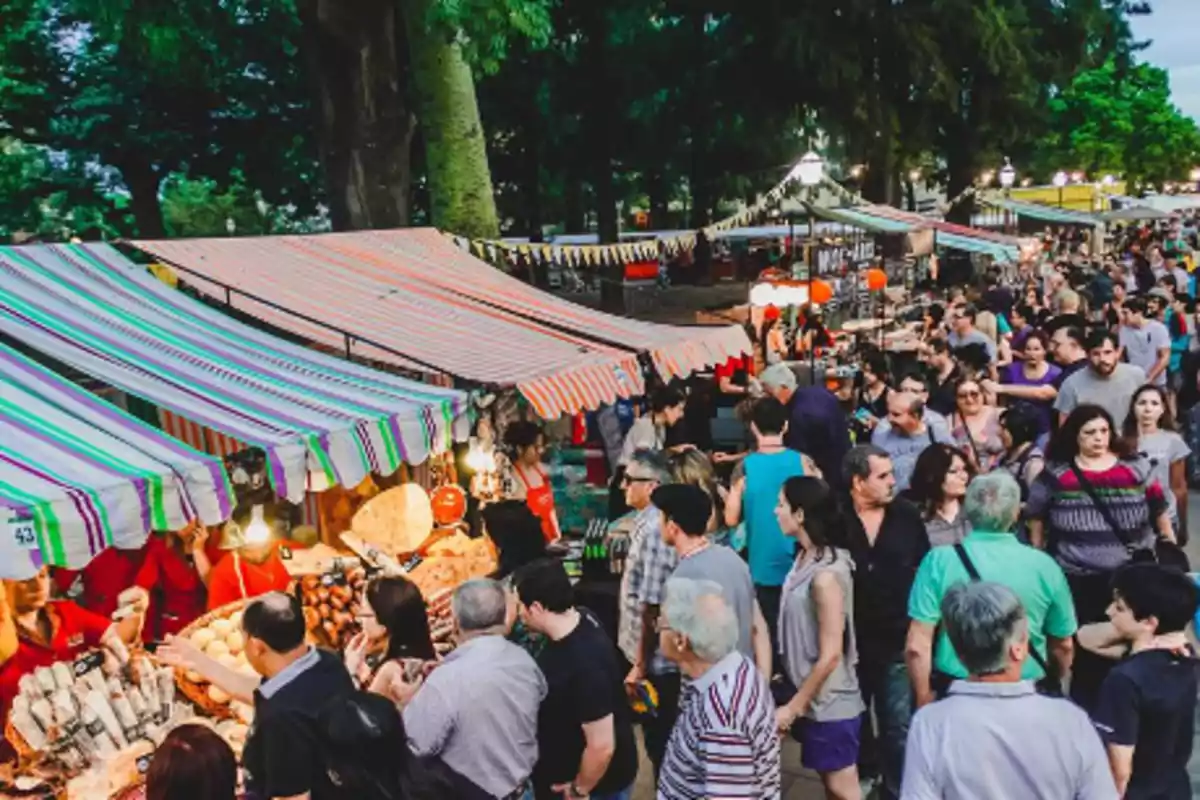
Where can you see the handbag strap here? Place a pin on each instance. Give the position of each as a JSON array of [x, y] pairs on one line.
[[969, 566], [1123, 536]]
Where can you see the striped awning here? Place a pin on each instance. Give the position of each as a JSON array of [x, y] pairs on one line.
[[999, 246], [860, 217], [412, 298], [1045, 213], [82, 475], [321, 420]]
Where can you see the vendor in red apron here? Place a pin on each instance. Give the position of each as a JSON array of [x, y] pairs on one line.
[[171, 573], [524, 478], [48, 630], [253, 566]]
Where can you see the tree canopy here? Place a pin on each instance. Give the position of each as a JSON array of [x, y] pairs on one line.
[[523, 116]]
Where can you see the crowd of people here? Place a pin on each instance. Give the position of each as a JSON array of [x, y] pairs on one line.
[[957, 576]]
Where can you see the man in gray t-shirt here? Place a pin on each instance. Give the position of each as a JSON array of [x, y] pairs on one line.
[[1104, 382], [686, 513], [1146, 342], [907, 435], [963, 332]]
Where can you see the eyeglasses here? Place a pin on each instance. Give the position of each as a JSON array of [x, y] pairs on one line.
[[629, 480], [970, 395]]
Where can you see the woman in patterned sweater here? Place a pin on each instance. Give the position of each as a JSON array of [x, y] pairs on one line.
[[1094, 510]]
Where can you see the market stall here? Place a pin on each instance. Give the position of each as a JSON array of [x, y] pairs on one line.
[[320, 421], [78, 475], [413, 299]]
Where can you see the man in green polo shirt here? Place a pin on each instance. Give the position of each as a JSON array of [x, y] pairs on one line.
[[992, 505]]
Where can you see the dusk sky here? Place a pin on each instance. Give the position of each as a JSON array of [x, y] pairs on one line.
[[1174, 29]]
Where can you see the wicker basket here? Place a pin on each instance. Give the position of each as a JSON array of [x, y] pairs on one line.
[[197, 692]]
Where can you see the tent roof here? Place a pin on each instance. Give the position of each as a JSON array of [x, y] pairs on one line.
[[89, 475], [320, 420], [411, 296], [947, 234], [1062, 216]]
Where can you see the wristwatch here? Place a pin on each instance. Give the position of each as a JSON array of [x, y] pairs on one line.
[[574, 791]]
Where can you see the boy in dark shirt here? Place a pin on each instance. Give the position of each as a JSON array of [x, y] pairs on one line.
[[1147, 705]]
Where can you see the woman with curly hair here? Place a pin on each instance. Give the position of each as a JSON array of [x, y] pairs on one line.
[[938, 487]]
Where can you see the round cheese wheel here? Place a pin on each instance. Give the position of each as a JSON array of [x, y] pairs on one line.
[[221, 628], [193, 676], [217, 648], [235, 619], [217, 695], [235, 642], [203, 637]]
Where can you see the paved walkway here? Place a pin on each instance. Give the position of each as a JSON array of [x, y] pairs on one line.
[[801, 784]]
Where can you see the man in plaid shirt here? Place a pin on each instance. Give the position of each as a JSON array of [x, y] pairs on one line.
[[649, 563]]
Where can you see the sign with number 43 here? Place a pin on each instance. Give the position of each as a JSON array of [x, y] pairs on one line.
[[23, 533]]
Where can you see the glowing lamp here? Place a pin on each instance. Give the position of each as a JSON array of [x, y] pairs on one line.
[[877, 280]]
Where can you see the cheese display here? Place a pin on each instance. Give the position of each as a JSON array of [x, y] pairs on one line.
[[218, 634], [90, 720]]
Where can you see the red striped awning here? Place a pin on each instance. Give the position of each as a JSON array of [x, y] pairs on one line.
[[412, 298]]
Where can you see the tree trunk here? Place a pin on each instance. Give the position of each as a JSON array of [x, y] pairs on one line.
[[656, 190], [143, 180], [460, 183], [365, 128], [574, 218]]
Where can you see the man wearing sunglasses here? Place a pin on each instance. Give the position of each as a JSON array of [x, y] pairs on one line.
[[649, 563]]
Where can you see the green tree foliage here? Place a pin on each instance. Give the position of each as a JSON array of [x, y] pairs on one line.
[[1120, 119]]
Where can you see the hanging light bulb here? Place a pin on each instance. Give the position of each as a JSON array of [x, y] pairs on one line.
[[257, 530]]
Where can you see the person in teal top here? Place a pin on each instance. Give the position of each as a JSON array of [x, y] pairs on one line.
[[992, 505], [753, 499]]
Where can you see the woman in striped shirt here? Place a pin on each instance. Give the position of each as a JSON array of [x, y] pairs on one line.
[[1094, 509]]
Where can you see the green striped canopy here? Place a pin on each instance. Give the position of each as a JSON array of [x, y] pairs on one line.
[[79, 475], [321, 420]]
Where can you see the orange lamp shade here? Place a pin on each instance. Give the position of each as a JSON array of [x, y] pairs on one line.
[[449, 504], [821, 292], [876, 280]]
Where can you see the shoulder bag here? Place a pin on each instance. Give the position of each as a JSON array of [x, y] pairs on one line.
[[1049, 685], [1164, 552]]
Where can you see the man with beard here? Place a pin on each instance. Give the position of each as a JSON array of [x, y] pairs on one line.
[[1105, 382]]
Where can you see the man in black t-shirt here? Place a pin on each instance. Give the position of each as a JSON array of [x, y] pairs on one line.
[[1147, 706], [585, 732]]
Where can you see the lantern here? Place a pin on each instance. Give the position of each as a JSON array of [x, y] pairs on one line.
[[821, 292], [449, 504], [876, 280]]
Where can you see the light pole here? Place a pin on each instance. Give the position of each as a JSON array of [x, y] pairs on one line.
[[810, 171], [1060, 180], [1008, 176]]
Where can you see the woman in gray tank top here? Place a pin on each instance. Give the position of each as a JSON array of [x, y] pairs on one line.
[[816, 634]]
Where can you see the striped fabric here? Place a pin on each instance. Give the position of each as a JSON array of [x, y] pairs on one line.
[[88, 474], [415, 293], [958, 237], [197, 436], [725, 743], [321, 421], [1045, 213]]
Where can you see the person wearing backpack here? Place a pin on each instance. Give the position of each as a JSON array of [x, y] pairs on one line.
[[1147, 707], [991, 552]]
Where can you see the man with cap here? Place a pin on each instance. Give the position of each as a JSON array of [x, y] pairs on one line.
[[686, 516], [817, 426]]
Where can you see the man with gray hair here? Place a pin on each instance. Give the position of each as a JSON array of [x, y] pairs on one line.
[[650, 561], [994, 736], [886, 538], [725, 742], [906, 435], [478, 710], [990, 552], [817, 426]]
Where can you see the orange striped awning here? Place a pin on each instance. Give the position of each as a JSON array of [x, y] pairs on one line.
[[410, 297]]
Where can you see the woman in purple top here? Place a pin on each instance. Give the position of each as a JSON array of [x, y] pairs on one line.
[[1031, 382]]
